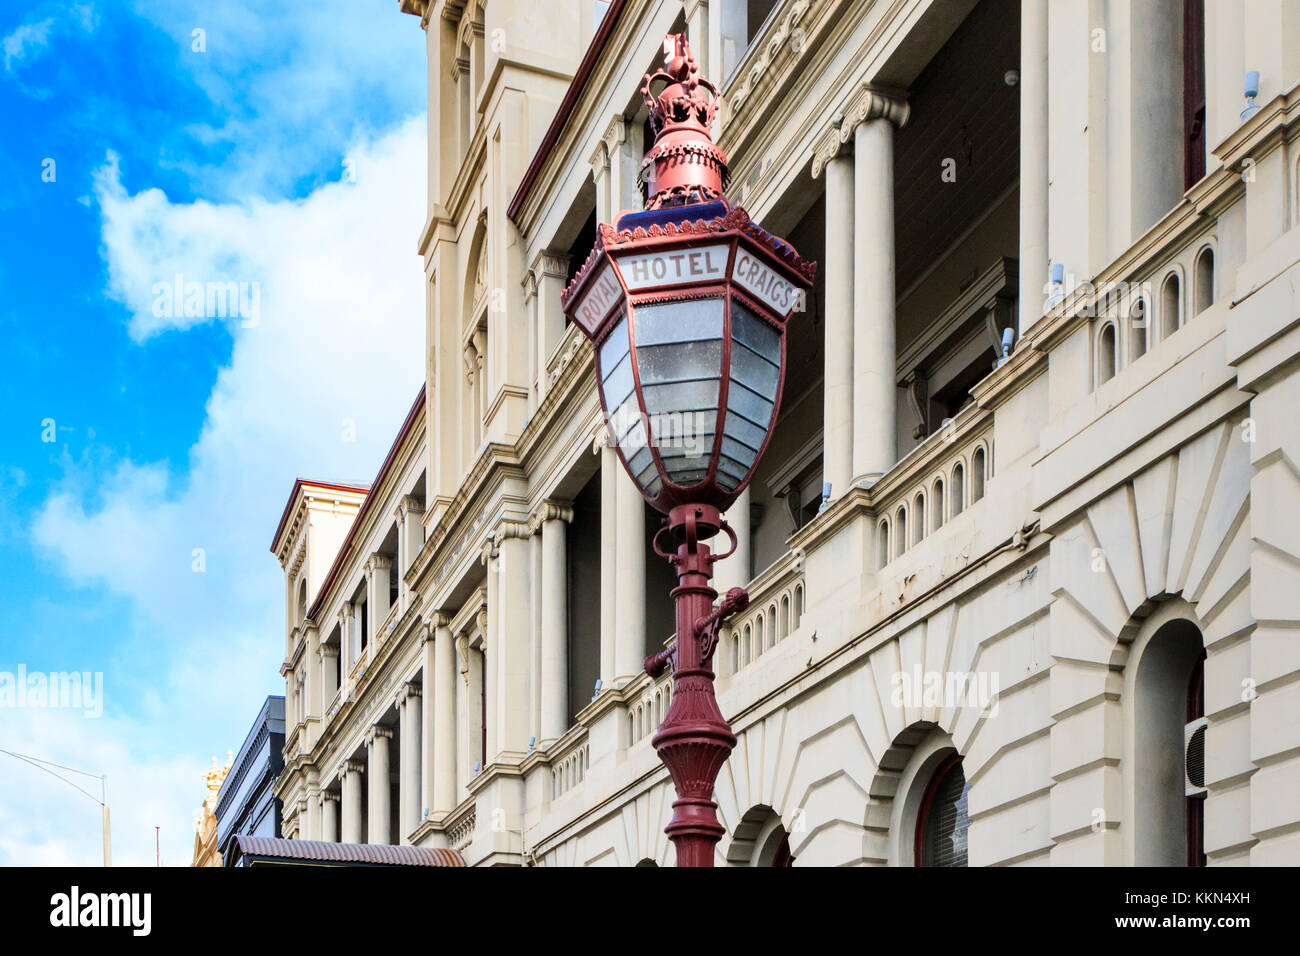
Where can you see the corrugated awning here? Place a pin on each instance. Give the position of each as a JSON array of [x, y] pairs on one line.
[[276, 849]]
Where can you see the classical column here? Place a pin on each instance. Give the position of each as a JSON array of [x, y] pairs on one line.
[[837, 416], [410, 538], [443, 789], [609, 476], [535, 619], [378, 569], [1033, 161], [696, 14], [350, 772], [329, 655], [554, 697], [410, 707], [629, 601], [735, 571], [548, 273], [379, 809], [354, 612], [599, 162], [313, 806], [507, 648], [623, 148], [466, 716], [329, 816], [875, 394]]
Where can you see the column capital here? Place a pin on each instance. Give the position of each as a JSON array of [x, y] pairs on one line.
[[872, 102], [330, 796], [376, 731], [408, 504], [379, 562], [866, 103], [550, 510], [615, 134], [600, 438], [599, 160], [328, 651], [406, 691], [505, 528], [351, 766], [550, 264]]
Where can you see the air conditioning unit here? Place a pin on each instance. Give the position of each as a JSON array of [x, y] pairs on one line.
[[1194, 757]]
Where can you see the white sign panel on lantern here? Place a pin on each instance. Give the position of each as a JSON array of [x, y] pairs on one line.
[[596, 301], [673, 266], [777, 292]]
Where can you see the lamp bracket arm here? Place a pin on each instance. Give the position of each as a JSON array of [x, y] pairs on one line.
[[708, 628]]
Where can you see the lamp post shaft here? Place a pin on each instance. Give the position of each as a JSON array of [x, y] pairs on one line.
[[694, 739]]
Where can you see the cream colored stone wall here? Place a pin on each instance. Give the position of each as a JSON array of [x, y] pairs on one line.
[[1110, 505]]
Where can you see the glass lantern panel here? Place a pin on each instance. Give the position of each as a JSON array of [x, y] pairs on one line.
[[748, 329], [683, 320], [751, 393], [679, 358], [749, 406]]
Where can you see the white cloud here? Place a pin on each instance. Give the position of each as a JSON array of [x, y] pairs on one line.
[[27, 39], [30, 40], [340, 336], [45, 822]]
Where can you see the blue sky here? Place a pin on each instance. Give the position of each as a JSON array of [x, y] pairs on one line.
[[286, 155]]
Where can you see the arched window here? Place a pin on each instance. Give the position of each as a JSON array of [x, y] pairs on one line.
[[1137, 329], [1171, 306], [882, 541], [1107, 354], [760, 840], [918, 517], [943, 822], [1169, 727], [302, 601], [798, 606], [936, 504], [957, 495], [977, 471], [1204, 280], [900, 530]]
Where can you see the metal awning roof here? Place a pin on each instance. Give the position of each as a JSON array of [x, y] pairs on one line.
[[277, 849]]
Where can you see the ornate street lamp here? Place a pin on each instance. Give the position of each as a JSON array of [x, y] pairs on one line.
[[686, 303]]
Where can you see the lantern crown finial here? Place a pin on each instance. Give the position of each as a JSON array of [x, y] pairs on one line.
[[684, 165]]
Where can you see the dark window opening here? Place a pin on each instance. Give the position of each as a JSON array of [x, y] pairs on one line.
[[1195, 765], [955, 395], [1193, 92], [580, 249], [943, 823]]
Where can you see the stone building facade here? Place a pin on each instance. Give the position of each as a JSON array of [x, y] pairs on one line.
[[1023, 554]]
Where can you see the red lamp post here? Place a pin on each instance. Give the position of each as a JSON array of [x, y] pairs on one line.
[[686, 303]]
